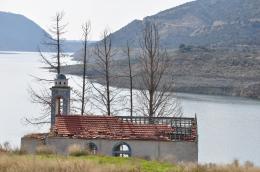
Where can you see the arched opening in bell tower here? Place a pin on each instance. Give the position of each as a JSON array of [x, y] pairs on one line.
[[59, 106]]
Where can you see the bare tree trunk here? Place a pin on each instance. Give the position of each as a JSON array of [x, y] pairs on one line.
[[58, 19], [130, 79], [108, 89], [86, 30]]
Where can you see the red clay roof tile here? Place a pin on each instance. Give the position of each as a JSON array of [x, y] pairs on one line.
[[109, 127]]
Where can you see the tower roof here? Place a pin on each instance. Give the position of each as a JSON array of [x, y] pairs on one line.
[[61, 76]]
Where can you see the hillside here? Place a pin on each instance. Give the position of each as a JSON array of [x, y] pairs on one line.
[[201, 23], [219, 52], [18, 33]]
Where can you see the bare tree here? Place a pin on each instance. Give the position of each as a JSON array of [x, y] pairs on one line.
[[156, 93], [53, 42], [104, 53], [86, 31]]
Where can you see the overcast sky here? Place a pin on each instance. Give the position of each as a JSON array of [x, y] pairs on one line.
[[112, 14]]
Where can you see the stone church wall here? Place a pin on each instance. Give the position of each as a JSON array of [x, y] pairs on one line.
[[154, 150]]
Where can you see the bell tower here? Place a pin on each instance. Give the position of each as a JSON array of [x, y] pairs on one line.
[[60, 100]]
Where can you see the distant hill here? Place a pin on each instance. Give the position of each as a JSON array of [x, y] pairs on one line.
[[201, 23], [18, 33]]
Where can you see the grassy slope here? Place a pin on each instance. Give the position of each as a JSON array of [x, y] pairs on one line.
[[53, 163]]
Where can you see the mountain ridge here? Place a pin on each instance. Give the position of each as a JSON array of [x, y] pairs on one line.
[[19, 33], [16, 29]]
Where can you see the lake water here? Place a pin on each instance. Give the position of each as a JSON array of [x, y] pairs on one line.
[[229, 127]]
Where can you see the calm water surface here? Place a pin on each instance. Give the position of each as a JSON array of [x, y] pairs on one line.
[[229, 128]]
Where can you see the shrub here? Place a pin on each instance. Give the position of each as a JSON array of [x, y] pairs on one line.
[[147, 157], [77, 150], [235, 163], [44, 150], [249, 164], [169, 159], [6, 147], [18, 151], [2, 151]]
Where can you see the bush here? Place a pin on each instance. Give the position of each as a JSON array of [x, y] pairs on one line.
[[18, 151], [169, 159], [77, 150], [44, 150], [249, 164], [6, 147], [2, 150], [235, 163], [185, 48]]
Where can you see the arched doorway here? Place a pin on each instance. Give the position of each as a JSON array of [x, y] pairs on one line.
[[122, 149], [92, 148]]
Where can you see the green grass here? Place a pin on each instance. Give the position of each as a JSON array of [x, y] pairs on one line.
[[138, 164], [133, 163]]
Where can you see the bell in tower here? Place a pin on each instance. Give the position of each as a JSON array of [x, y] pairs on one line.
[[60, 97]]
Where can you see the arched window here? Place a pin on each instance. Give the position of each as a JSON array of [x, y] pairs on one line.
[[122, 149], [92, 148]]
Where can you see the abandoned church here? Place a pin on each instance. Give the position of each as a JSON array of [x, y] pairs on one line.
[[168, 138]]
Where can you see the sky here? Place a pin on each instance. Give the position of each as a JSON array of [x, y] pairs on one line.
[[103, 14]]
